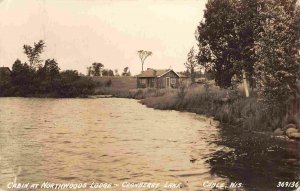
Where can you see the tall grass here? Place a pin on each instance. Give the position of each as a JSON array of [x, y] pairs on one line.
[[133, 93], [227, 106]]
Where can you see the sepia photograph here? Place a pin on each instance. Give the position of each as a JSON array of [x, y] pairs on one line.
[[150, 95]]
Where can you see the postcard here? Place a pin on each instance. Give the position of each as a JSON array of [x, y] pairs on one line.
[[129, 95]]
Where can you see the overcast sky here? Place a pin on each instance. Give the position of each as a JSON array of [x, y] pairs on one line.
[[80, 32]]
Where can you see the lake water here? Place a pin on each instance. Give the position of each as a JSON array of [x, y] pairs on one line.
[[123, 143]]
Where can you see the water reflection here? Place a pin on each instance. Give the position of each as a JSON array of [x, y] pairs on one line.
[[257, 160], [103, 140]]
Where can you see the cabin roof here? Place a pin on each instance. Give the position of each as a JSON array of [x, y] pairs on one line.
[[152, 73]]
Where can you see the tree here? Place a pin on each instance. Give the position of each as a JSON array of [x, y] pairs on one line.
[[248, 27], [52, 72], [277, 48], [191, 63], [110, 72], [47, 77], [33, 53], [117, 72], [89, 71], [5, 81], [97, 66], [44, 80], [22, 78], [104, 72], [143, 54], [217, 32], [254, 40], [107, 72], [126, 72], [69, 76], [51, 68]]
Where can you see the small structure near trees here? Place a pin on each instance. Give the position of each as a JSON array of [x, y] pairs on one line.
[[152, 78]]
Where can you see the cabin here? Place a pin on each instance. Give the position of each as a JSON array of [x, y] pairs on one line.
[[152, 78]]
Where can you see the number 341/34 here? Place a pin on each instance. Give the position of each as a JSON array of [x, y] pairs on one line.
[[293, 184]]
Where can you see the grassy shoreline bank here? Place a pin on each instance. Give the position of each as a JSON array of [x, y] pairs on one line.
[[229, 107]]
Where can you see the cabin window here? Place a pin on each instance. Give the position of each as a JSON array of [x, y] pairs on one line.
[[143, 81], [173, 80]]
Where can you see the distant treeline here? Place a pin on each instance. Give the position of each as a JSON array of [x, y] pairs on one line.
[[42, 79], [45, 81], [97, 69]]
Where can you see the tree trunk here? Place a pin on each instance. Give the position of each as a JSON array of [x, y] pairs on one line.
[[100, 72], [245, 84], [192, 75]]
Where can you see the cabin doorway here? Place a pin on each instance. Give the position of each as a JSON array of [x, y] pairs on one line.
[[168, 82]]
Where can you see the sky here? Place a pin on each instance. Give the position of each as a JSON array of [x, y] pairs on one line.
[[80, 32]]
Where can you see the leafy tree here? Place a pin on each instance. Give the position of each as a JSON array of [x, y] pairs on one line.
[[5, 82], [191, 64], [33, 53], [97, 67], [117, 72], [45, 80], [69, 76], [184, 73], [67, 81], [51, 68], [126, 72], [107, 72], [217, 37], [104, 72], [22, 78], [253, 39], [110, 72], [52, 75], [89, 71], [143, 54], [47, 77], [248, 27], [277, 50]]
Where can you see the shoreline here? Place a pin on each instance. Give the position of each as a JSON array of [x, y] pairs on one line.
[[229, 107]]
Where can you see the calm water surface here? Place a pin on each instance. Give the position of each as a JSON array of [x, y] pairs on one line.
[[119, 140]]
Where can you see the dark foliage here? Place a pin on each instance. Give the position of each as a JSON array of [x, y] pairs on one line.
[[46, 81]]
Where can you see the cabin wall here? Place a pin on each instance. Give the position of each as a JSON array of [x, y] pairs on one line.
[[146, 83], [160, 82], [174, 80]]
